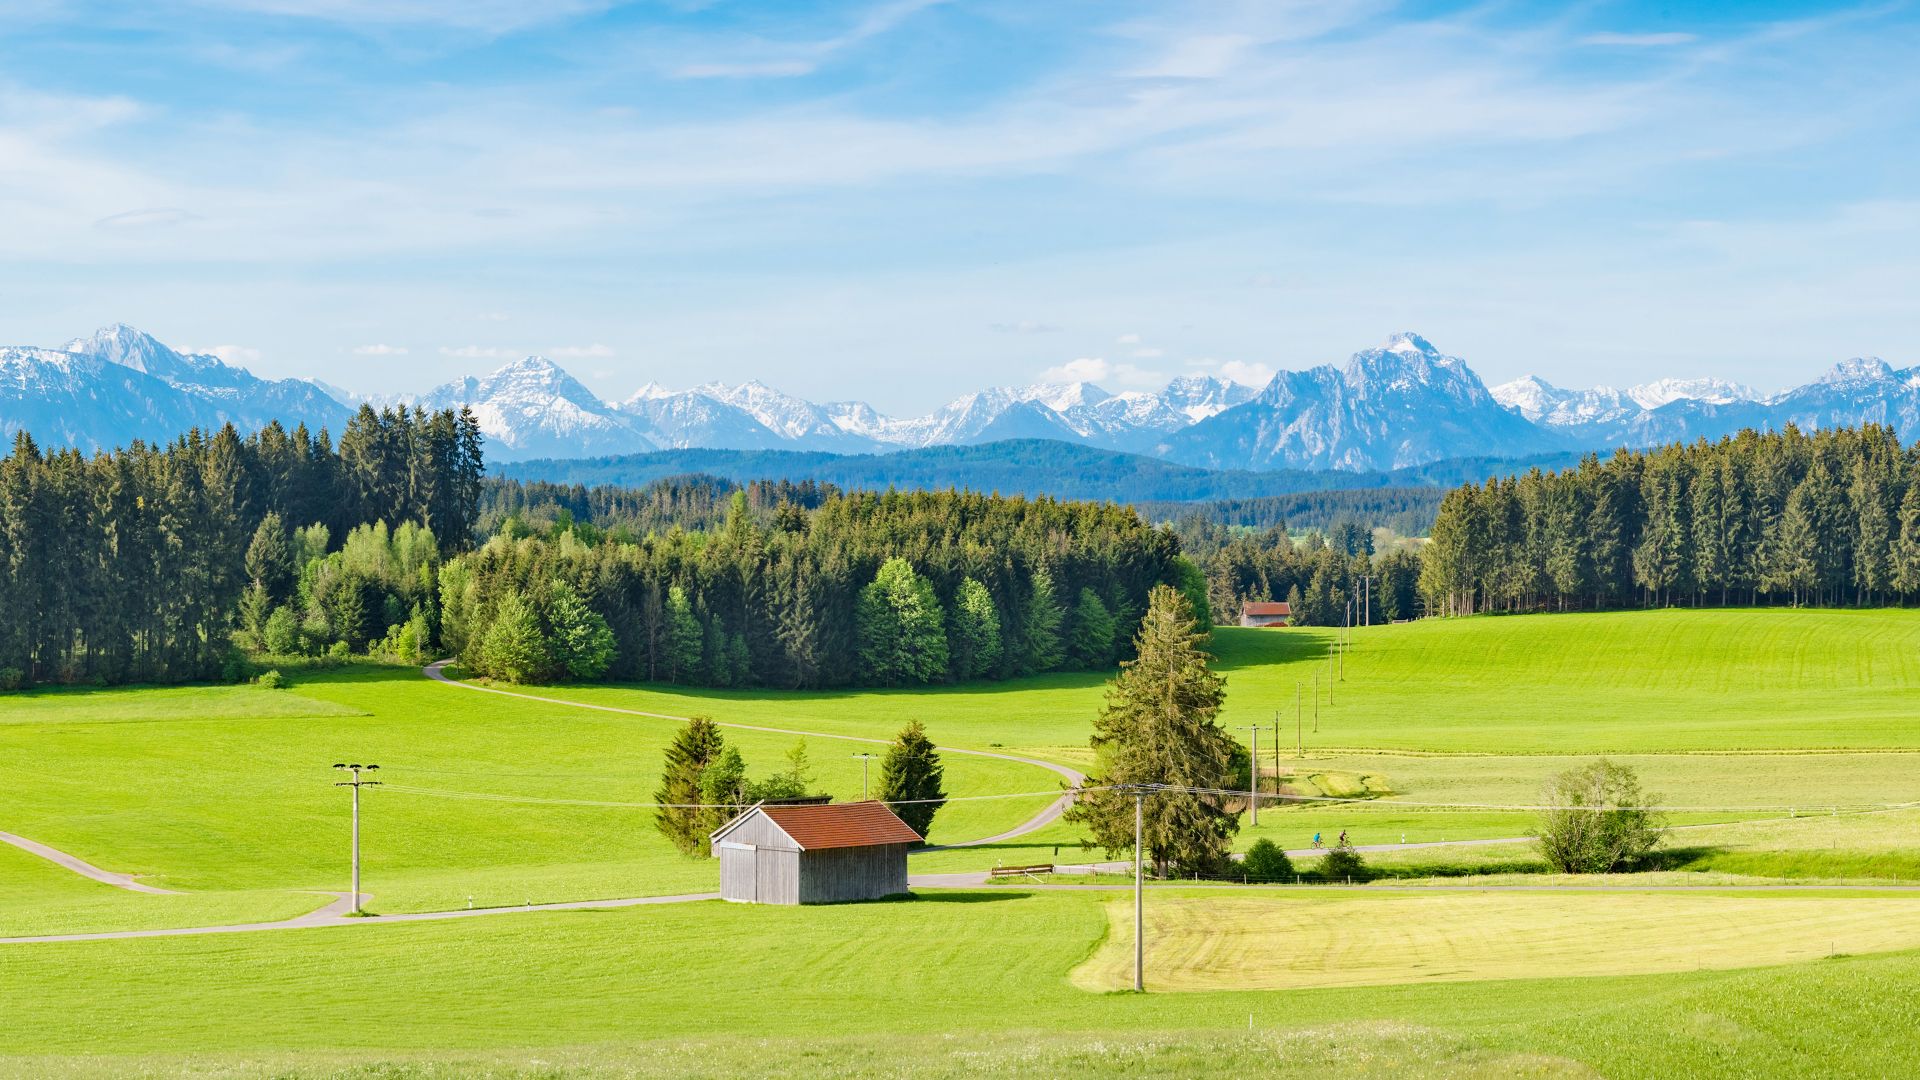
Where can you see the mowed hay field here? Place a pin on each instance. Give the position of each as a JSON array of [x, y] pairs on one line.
[[956, 983], [1364, 937]]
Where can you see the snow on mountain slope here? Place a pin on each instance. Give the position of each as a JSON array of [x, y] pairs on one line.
[[121, 384], [1403, 403], [533, 408]]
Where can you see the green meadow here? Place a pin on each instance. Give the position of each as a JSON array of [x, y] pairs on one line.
[[1784, 743]]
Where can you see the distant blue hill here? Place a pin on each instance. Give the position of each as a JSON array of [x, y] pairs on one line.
[[1012, 467]]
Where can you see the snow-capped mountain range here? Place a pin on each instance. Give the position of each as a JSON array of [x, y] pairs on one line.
[[120, 385], [1401, 404]]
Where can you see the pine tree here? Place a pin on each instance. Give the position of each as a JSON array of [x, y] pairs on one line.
[[1093, 631], [1040, 631], [270, 559], [683, 637], [910, 778], [583, 644], [1159, 726], [974, 634], [901, 627], [682, 814], [1906, 564]]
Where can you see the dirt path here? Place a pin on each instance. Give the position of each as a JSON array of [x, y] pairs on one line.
[[82, 867], [437, 672]]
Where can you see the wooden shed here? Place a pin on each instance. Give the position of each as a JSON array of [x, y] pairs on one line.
[[1265, 613], [777, 854]]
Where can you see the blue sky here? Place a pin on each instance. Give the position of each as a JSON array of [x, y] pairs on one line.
[[906, 199]]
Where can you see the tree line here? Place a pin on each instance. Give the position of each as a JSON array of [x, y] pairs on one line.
[[889, 589], [1318, 574], [131, 565], [1827, 518]]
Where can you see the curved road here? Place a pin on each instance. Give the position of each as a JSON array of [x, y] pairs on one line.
[[436, 671], [82, 867]]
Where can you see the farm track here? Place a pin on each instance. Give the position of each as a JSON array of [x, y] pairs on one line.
[[436, 671], [82, 867]]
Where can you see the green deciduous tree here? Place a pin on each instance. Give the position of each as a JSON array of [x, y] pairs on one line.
[[724, 789], [515, 648], [1598, 819], [901, 627], [1266, 861], [910, 778], [281, 635]]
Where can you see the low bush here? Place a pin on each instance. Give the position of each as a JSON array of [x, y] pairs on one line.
[[1266, 861], [271, 679], [1343, 864]]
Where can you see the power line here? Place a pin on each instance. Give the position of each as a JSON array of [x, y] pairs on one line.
[[536, 800]]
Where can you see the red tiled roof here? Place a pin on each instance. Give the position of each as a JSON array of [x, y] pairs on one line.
[[841, 825], [1279, 608]]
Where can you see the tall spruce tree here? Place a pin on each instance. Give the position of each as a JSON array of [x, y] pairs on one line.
[[910, 778], [1160, 726], [1042, 649], [682, 816], [1093, 631], [973, 639]]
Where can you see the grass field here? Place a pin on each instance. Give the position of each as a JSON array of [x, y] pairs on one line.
[[962, 977], [226, 793], [1620, 682]]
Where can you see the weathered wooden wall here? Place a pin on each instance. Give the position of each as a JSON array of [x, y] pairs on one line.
[[837, 875]]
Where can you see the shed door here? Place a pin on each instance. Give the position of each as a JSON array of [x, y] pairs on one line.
[[766, 878]]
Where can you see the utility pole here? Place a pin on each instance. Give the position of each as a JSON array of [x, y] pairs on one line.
[[864, 758], [1300, 717], [1276, 753], [1253, 774], [356, 784], [1139, 792]]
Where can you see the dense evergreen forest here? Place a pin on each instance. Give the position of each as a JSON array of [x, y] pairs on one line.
[[1825, 519], [1318, 574], [134, 565], [1408, 511], [195, 559], [890, 588]]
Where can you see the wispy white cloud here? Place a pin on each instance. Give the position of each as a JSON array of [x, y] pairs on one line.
[[494, 16], [379, 350], [1249, 374], [1096, 369], [157, 217], [1640, 41], [760, 59], [477, 352], [236, 355], [1024, 326]]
